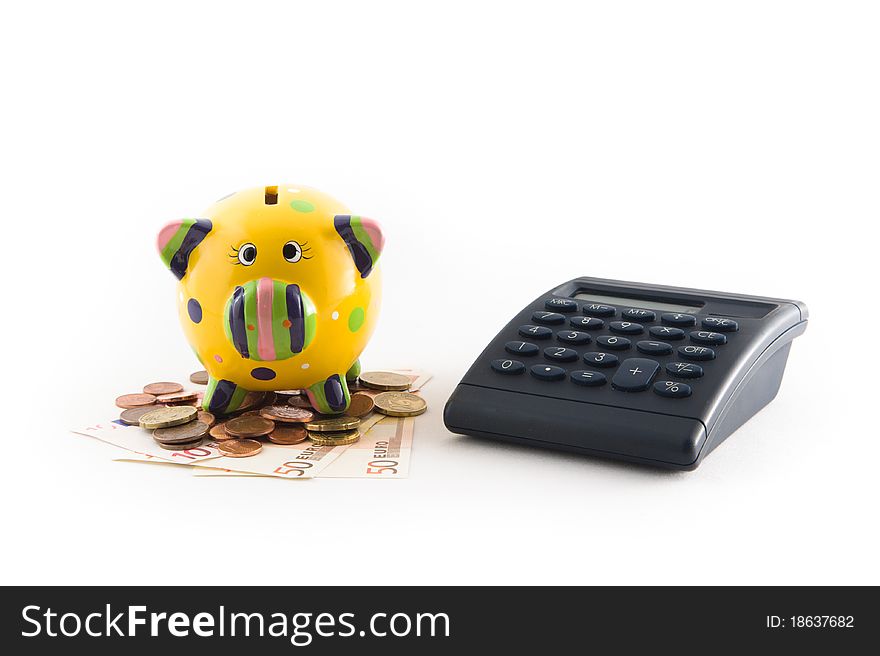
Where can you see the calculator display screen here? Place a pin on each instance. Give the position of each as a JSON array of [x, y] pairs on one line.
[[636, 302]]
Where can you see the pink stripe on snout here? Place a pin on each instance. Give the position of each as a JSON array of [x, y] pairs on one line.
[[265, 339]]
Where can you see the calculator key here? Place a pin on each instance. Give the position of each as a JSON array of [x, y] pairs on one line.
[[708, 337], [672, 389], [548, 317], [635, 375], [561, 305], [696, 353], [720, 324], [666, 332], [635, 314], [684, 369], [626, 327], [588, 378], [654, 348], [547, 372], [573, 337], [613, 342], [677, 319], [521, 348], [598, 310], [600, 359], [535, 332], [586, 323], [508, 366], [560, 354]]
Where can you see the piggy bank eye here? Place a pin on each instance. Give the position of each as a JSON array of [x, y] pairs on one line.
[[292, 251], [246, 254]]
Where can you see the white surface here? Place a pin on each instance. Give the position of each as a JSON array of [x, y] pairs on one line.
[[506, 148]]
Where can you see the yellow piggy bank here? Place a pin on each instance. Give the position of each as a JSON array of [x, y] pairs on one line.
[[279, 289]]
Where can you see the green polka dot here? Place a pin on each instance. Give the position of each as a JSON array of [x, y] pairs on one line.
[[356, 319], [302, 205]]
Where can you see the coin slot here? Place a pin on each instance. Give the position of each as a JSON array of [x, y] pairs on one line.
[[272, 195]]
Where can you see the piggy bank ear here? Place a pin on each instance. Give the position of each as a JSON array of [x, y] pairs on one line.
[[177, 241], [364, 240]]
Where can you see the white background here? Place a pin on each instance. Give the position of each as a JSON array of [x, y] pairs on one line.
[[506, 147]]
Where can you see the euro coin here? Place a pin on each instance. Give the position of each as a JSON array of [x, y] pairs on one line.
[[158, 389], [132, 416], [135, 400], [287, 413], [177, 397], [332, 424], [180, 446], [249, 426], [400, 404], [361, 405], [206, 417], [299, 402], [189, 432], [165, 417], [336, 438], [239, 448], [290, 434], [385, 380], [218, 432], [199, 378]]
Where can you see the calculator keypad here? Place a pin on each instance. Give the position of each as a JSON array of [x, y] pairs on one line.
[[521, 348], [547, 372], [635, 374], [535, 332], [560, 354]]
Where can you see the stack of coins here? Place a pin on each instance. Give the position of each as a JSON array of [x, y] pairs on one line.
[[285, 417]]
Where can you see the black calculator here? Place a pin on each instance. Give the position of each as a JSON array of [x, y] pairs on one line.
[[643, 373]]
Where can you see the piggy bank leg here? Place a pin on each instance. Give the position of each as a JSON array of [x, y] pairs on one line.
[[222, 396], [355, 371], [330, 397]]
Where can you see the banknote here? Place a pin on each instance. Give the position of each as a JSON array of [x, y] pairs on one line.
[[382, 452], [133, 438], [305, 460]]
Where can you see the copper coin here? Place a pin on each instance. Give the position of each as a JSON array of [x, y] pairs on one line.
[[249, 426], [251, 400], [206, 418], [295, 392], [180, 446], [287, 413], [239, 448], [177, 397], [199, 378], [194, 430], [288, 434], [300, 402], [132, 416], [135, 400], [361, 405], [162, 388], [218, 432]]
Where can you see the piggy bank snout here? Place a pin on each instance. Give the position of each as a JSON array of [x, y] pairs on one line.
[[268, 319]]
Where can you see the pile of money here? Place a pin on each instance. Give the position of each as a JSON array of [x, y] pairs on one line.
[[284, 417]]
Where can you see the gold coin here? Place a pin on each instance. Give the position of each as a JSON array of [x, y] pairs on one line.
[[287, 413], [199, 378], [158, 389], [287, 393], [288, 434], [135, 400], [180, 446], [400, 404], [132, 416], [189, 432], [165, 417], [361, 405], [332, 424], [239, 448], [336, 438], [385, 380], [249, 426]]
